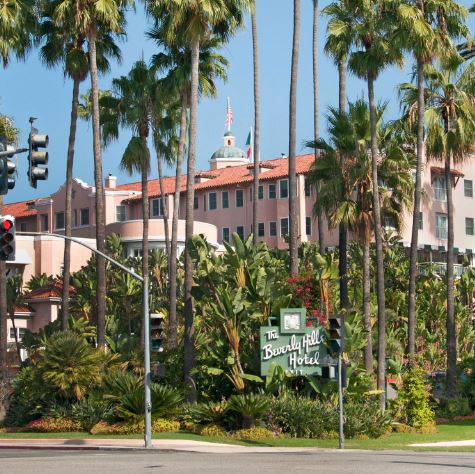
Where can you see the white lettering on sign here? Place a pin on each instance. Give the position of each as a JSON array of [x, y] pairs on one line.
[[297, 349]]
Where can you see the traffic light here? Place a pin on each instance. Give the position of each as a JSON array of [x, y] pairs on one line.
[[7, 169], [37, 157], [336, 333], [156, 331], [7, 238]]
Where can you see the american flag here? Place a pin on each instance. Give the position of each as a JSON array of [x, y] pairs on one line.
[[229, 115]]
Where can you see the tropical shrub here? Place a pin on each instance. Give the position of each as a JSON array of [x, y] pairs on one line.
[[53, 425], [302, 417], [451, 408], [207, 413], [89, 411], [412, 405], [365, 418], [251, 408], [159, 425]]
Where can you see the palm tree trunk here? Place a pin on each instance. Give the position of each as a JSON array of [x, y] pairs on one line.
[[145, 217], [411, 330], [189, 356], [379, 246], [172, 321], [321, 243], [3, 312], [100, 218], [342, 231], [293, 210], [68, 212], [164, 205], [257, 124], [451, 333], [368, 350]]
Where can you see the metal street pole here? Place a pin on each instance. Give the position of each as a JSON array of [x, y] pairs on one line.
[[146, 325], [341, 439], [147, 375]]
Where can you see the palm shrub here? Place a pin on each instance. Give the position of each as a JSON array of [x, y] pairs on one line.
[[207, 413], [126, 391], [365, 418], [251, 408], [70, 365], [90, 411]]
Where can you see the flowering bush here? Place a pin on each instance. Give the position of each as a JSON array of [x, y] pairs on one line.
[[159, 425], [255, 434], [53, 425]]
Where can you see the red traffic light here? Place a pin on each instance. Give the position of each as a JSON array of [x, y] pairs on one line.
[[6, 225]]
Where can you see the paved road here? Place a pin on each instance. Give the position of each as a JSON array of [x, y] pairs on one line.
[[17, 461]]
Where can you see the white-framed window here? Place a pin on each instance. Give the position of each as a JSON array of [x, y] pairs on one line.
[[261, 192], [20, 333], [59, 220], [22, 226], [156, 209], [240, 231], [468, 188], [261, 229], [421, 221], [284, 188], [272, 229], [272, 193], [84, 217], [196, 203], [120, 213], [441, 226], [239, 198], [469, 230], [440, 188], [212, 204], [225, 199], [308, 225], [225, 234], [284, 226]]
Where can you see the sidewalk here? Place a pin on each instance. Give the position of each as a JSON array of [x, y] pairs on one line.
[[138, 444]]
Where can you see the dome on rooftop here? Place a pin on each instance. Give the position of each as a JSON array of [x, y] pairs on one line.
[[228, 152], [229, 134]]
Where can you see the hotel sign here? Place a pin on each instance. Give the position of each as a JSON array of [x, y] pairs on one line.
[[298, 349]]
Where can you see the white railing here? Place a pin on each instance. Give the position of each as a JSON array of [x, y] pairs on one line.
[[439, 268]]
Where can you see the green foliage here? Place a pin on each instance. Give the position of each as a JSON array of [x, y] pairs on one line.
[[412, 406], [212, 429], [364, 417], [159, 425], [90, 411], [207, 413], [451, 408], [251, 407], [302, 417]]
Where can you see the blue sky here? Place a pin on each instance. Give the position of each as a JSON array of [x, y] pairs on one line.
[[29, 89]]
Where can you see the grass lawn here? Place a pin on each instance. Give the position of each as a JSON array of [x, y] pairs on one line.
[[459, 430]]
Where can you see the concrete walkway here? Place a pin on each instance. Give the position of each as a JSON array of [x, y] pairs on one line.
[[138, 444], [445, 444]]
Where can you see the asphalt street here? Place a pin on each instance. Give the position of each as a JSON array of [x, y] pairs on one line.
[[18, 461]]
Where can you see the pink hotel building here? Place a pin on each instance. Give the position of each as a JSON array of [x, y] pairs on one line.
[[223, 205]]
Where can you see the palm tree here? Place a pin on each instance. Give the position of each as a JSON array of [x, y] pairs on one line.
[[257, 123], [88, 19], [321, 243], [174, 62], [373, 28], [191, 22], [293, 211], [344, 171], [338, 46], [17, 26], [133, 104], [450, 119], [426, 28], [66, 47]]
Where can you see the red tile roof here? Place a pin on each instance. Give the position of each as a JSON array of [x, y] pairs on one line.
[[50, 290], [20, 209], [439, 170], [237, 175], [23, 308]]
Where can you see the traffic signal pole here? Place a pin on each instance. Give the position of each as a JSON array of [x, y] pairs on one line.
[[146, 324]]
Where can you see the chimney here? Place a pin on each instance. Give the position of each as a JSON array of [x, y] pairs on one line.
[[111, 181]]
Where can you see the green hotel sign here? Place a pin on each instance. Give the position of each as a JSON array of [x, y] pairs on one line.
[[298, 349]]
